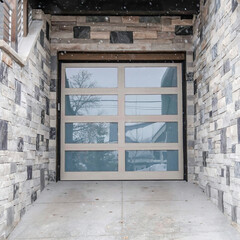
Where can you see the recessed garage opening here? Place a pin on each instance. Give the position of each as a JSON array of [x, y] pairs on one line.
[[121, 121]]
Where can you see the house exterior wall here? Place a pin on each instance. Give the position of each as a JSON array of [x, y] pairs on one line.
[[28, 99], [28, 127], [123, 34], [217, 104], [1, 20], [24, 132]]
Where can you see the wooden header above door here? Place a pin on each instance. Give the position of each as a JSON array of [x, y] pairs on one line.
[[127, 56]]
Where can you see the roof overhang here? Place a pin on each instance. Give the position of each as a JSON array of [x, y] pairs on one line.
[[118, 7]]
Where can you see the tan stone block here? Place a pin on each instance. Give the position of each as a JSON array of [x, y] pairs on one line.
[[81, 19], [108, 28], [160, 41], [166, 35], [166, 20], [101, 47], [55, 28], [182, 21], [114, 19], [130, 19], [182, 39], [78, 41], [100, 35], [212, 127], [145, 35], [62, 34], [168, 28], [59, 23], [143, 28], [64, 18], [238, 149], [6, 59], [68, 28], [161, 47], [220, 123]]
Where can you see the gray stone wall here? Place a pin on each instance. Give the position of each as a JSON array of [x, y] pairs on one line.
[[121, 34], [217, 104], [24, 133], [1, 21]]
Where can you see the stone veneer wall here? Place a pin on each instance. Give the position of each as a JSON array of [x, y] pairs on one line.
[[217, 104], [28, 99], [116, 33], [24, 132]]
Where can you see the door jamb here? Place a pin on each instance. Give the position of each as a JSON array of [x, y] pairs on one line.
[[180, 58]]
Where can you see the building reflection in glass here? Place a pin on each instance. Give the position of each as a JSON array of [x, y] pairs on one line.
[[165, 104], [150, 77]]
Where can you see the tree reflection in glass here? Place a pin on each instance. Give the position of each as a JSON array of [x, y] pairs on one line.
[[77, 105], [95, 77], [80, 79], [85, 161], [91, 132]]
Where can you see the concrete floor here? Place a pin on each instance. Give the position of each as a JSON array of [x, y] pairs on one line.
[[123, 210]]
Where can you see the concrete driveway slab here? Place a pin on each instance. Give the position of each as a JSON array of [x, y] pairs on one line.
[[173, 217], [62, 220], [79, 191], [127, 210], [153, 190]]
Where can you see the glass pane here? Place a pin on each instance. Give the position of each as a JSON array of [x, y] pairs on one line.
[[151, 132], [91, 132], [91, 77], [78, 105], [162, 160], [165, 104], [91, 161], [151, 77]]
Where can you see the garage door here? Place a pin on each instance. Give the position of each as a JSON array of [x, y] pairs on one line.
[[121, 121]]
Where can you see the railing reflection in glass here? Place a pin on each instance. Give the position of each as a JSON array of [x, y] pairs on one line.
[[151, 132], [151, 160]]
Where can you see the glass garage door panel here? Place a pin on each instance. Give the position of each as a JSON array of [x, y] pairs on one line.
[[151, 77], [97, 132], [120, 121], [165, 104], [91, 161], [91, 77], [151, 161], [91, 105], [151, 132]]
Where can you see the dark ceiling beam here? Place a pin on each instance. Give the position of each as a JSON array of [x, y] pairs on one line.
[[117, 7]]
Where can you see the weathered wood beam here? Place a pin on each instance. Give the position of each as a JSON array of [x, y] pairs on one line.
[[128, 56]]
